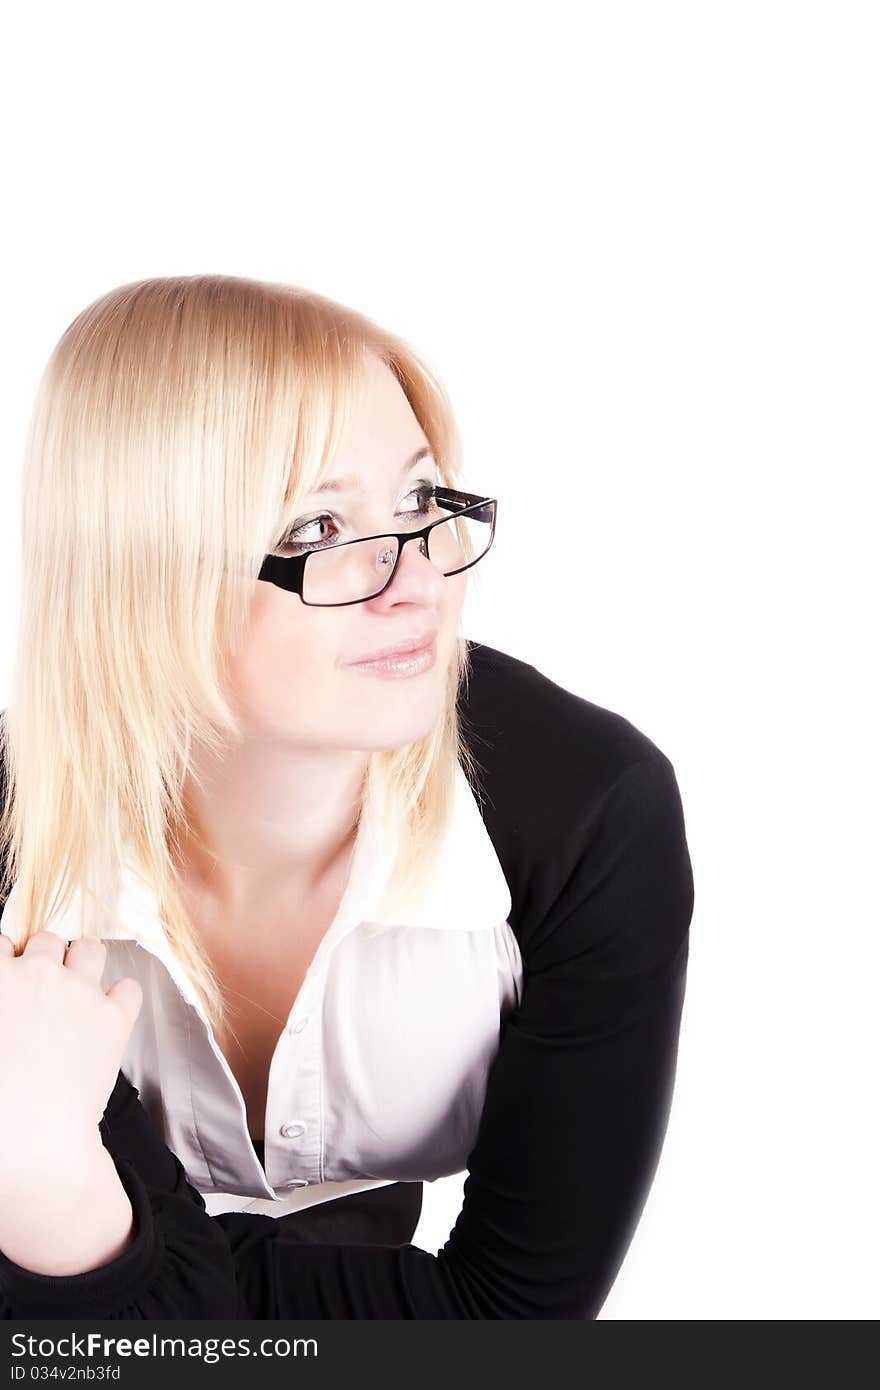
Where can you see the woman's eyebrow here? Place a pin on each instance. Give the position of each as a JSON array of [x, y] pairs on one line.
[[349, 483]]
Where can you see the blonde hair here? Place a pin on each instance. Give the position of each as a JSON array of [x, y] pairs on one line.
[[177, 426]]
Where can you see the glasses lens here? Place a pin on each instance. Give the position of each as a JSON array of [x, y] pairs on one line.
[[462, 540], [360, 570], [344, 573]]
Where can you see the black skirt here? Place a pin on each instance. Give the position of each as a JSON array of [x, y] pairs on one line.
[[385, 1215]]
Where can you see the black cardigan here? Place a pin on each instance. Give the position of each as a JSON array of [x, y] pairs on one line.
[[585, 815]]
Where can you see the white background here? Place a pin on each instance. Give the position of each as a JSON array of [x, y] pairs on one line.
[[639, 242]]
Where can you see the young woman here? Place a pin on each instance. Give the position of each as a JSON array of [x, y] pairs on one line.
[[291, 928]]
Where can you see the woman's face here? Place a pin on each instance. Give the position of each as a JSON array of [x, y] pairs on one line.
[[292, 676]]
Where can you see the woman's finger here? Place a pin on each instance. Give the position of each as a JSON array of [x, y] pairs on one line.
[[87, 957], [46, 943]]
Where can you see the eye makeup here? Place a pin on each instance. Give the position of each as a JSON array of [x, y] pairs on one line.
[[294, 536]]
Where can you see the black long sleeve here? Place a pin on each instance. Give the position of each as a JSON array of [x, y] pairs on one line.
[[575, 1112]]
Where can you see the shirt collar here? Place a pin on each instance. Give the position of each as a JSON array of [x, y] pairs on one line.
[[467, 890]]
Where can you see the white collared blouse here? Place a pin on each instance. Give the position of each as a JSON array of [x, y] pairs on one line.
[[379, 1073]]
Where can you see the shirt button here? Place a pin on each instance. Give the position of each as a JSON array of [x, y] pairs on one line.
[[297, 1182], [298, 1027], [292, 1131]]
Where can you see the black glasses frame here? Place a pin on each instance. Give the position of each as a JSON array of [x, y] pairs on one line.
[[288, 571]]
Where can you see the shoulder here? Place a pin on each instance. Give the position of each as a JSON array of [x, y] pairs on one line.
[[582, 806], [547, 753]]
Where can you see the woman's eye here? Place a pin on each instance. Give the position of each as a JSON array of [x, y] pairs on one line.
[[297, 536], [425, 493], [297, 532]]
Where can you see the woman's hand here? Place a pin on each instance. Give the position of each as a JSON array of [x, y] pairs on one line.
[[62, 1040]]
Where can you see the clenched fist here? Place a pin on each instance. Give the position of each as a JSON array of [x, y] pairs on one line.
[[62, 1040]]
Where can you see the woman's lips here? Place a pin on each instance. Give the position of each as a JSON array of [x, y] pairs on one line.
[[406, 664], [413, 644]]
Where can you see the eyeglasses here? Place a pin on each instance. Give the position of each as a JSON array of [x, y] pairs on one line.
[[335, 575]]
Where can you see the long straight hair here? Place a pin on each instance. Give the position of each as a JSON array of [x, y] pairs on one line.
[[177, 426]]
